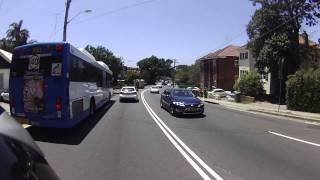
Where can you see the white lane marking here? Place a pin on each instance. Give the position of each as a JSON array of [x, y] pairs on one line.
[[174, 139], [295, 139], [184, 154], [26, 126]]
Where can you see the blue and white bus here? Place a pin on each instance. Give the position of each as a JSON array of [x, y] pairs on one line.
[[56, 85]]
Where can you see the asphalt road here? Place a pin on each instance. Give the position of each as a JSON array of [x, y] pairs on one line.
[[143, 141]]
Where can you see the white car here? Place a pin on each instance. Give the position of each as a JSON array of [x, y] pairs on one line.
[[159, 85], [154, 89], [128, 93], [218, 93], [5, 96]]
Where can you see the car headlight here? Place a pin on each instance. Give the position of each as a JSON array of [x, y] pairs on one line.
[[200, 105], [179, 104]]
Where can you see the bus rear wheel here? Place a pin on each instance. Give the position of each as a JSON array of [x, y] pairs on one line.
[[92, 107], [109, 100]]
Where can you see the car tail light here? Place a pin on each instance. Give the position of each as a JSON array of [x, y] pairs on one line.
[[58, 104]]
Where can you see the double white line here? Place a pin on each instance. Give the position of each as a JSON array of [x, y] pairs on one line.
[[185, 151]]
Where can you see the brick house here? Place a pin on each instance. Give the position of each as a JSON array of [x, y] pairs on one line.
[[220, 68]]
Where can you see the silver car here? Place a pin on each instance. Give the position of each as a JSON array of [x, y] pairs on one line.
[[219, 93], [154, 89], [5, 96], [128, 93]]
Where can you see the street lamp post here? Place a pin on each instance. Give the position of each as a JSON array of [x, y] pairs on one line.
[[280, 83], [66, 21]]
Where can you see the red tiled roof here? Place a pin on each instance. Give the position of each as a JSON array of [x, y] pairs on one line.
[[222, 53]]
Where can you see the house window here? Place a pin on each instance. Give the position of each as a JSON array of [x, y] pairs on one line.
[[243, 72], [244, 55], [241, 55], [265, 76]]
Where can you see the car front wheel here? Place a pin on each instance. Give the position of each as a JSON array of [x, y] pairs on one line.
[[172, 111]]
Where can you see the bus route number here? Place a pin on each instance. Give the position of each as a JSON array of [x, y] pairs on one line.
[[34, 62]]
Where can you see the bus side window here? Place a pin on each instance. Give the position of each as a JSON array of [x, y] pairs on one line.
[[73, 69]]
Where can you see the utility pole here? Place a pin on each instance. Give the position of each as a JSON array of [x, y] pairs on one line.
[[66, 20], [280, 79], [174, 72]]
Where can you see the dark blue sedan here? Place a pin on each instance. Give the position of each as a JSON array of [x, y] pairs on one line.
[[181, 101]]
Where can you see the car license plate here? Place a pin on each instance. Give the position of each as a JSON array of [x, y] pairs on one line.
[[192, 109], [22, 120]]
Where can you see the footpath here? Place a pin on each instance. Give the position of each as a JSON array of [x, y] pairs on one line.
[[266, 108]]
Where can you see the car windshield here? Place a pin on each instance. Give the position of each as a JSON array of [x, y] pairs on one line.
[[127, 89], [219, 91], [183, 93], [155, 87]]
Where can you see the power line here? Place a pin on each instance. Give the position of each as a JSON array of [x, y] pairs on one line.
[[55, 25], [116, 10], [1, 2], [108, 13]]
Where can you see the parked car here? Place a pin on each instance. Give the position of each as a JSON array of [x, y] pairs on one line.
[[128, 93], [217, 94], [5, 96], [154, 89], [159, 85], [20, 156], [194, 88], [181, 101]]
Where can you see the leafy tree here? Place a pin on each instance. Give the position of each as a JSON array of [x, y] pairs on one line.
[[131, 76], [15, 36], [195, 73], [188, 75], [250, 84], [153, 68], [303, 90], [102, 54], [182, 76], [6, 45], [274, 33]]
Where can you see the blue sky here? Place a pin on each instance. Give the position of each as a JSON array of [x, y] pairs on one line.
[[180, 29]]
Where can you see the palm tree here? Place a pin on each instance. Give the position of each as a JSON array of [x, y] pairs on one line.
[[16, 34]]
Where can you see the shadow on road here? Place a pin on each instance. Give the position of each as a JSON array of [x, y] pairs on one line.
[[196, 116], [128, 101], [72, 136]]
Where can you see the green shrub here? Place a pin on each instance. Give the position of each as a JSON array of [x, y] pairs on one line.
[[303, 91], [250, 84]]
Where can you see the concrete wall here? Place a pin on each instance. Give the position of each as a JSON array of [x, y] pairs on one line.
[[4, 79]]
